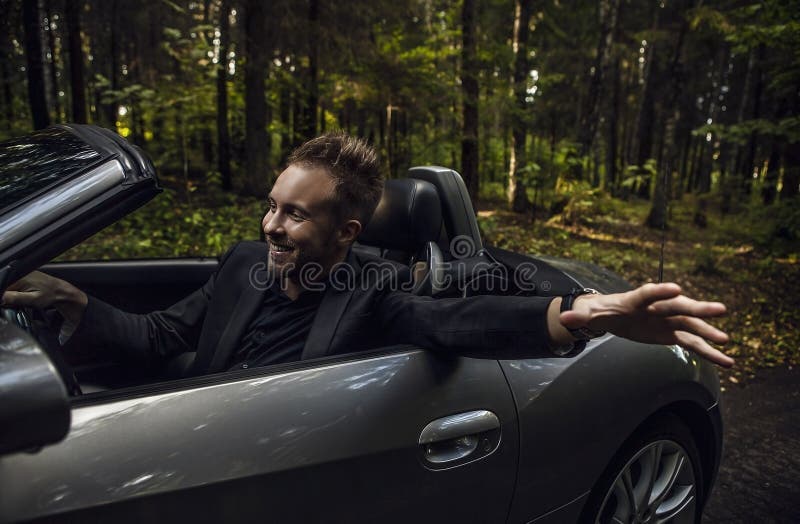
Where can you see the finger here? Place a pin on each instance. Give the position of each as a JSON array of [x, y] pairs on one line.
[[702, 348], [574, 319], [650, 293], [19, 299], [698, 327], [683, 305]]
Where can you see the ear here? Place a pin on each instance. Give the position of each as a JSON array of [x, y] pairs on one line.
[[348, 232]]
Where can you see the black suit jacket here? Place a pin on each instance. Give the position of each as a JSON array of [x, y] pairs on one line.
[[361, 309]]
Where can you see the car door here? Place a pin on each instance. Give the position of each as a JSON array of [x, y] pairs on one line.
[[335, 440]]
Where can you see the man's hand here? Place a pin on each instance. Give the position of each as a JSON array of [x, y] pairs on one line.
[[41, 291], [653, 314]]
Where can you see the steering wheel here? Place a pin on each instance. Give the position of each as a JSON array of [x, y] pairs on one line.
[[24, 319]]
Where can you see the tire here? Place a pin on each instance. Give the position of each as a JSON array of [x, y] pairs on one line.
[[659, 470]]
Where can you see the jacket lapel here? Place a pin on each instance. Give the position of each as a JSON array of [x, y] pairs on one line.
[[246, 307], [333, 306]]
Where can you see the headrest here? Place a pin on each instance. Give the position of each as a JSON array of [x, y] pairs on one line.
[[408, 215]]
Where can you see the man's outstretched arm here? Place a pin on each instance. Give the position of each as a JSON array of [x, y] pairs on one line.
[[652, 313]]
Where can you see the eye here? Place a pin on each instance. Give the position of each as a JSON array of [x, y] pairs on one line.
[[297, 216]]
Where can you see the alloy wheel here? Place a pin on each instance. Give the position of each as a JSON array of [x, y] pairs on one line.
[[657, 485]]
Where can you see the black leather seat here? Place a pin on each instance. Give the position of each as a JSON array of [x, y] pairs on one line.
[[405, 227]]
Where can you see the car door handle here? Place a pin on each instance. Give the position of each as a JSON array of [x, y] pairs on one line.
[[460, 438]]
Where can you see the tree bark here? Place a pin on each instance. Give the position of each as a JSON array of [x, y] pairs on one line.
[[470, 91], [308, 128], [612, 131], [223, 136], [53, 69], [35, 67], [255, 101], [791, 171], [770, 189], [657, 217], [75, 53], [609, 10], [517, 196]]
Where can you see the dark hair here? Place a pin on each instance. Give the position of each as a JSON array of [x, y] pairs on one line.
[[353, 165]]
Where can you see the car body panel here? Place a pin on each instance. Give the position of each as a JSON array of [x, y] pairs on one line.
[[337, 442], [584, 408]]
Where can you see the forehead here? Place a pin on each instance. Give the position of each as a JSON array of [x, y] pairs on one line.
[[308, 187]]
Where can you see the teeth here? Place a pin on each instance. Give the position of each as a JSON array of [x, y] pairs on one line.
[[278, 247]]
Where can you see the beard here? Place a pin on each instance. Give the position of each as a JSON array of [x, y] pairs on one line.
[[306, 266]]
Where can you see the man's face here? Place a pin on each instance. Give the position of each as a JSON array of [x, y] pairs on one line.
[[299, 225]]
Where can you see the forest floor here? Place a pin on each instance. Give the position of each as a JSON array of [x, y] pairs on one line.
[[760, 285]]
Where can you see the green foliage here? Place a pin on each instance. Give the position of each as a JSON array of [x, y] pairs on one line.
[[169, 227]]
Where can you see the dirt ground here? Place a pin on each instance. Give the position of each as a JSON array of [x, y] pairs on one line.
[[759, 479]]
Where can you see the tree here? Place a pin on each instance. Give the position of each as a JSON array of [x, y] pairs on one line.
[[471, 93], [35, 66], [255, 69], [517, 197], [609, 10], [223, 136], [75, 52]]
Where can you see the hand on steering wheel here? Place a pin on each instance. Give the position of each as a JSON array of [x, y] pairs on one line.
[[24, 319]]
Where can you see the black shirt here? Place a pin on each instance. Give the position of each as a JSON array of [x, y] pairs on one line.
[[279, 330]]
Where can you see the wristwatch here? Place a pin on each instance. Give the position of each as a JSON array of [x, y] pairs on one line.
[[582, 334]]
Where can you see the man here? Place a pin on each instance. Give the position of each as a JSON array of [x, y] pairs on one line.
[[275, 302]]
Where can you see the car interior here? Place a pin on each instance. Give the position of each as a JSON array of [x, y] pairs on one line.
[[424, 222]]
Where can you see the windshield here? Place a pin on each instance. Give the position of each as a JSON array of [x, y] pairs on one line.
[[30, 164]]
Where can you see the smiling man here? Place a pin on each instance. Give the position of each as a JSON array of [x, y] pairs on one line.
[[318, 206]]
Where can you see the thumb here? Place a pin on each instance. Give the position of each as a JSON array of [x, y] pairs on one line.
[[18, 299], [574, 319]]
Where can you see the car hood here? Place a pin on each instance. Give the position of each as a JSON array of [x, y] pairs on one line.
[[586, 274], [61, 185]]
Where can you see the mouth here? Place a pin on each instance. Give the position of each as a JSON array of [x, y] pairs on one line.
[[279, 248]]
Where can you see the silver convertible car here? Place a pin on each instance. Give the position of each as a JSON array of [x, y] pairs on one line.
[[623, 432]]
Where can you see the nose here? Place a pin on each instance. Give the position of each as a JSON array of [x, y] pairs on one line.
[[271, 224]]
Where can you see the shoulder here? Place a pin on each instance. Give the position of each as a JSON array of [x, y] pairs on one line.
[[373, 269], [245, 253]]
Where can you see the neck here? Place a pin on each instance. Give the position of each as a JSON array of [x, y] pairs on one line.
[[292, 287]]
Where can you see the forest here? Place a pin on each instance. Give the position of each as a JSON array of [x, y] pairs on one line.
[[583, 129]]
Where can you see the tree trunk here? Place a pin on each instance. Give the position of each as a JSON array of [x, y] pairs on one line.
[[770, 189], [35, 66], [75, 52], [223, 136], [111, 107], [657, 217], [517, 196], [308, 127], [791, 171], [611, 130], [609, 10], [470, 90], [53, 69], [255, 69]]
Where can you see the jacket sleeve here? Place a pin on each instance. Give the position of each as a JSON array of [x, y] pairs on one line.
[[483, 326], [149, 338]]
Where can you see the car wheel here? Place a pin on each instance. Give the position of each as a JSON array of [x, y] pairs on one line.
[[656, 477]]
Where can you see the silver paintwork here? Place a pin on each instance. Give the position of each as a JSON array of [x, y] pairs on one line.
[[353, 421], [33, 401], [26, 220]]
